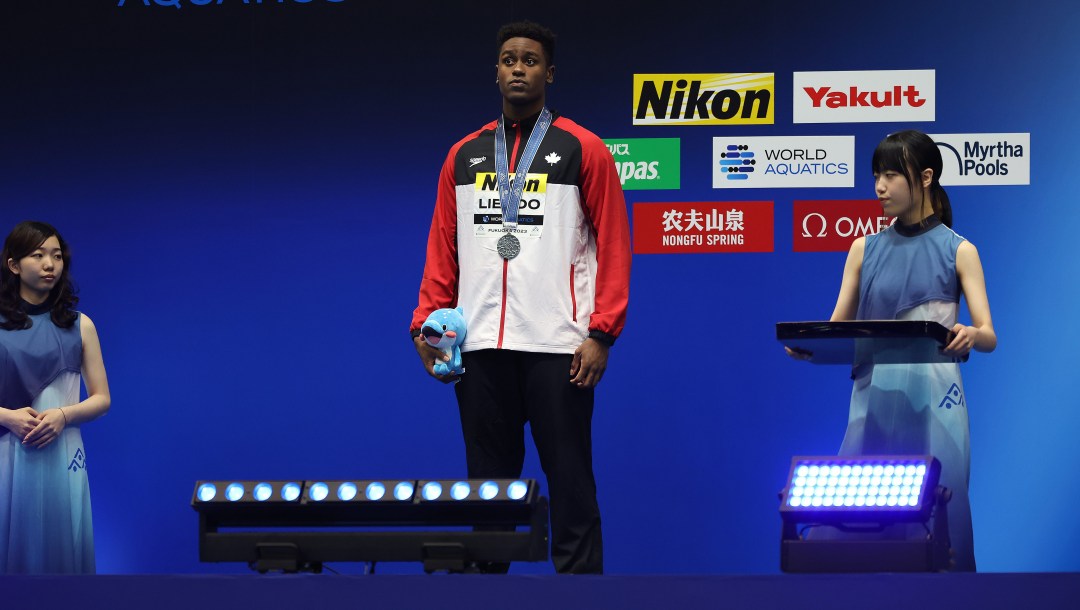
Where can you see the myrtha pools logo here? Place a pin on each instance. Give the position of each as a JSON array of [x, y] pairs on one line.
[[984, 158]]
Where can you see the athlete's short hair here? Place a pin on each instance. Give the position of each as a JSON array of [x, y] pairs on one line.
[[532, 31]]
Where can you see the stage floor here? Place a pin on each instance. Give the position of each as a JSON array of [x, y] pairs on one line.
[[760, 592]]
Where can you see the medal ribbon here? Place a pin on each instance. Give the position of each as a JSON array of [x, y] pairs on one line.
[[510, 197]]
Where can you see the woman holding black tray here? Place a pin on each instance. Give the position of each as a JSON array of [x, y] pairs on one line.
[[917, 269]]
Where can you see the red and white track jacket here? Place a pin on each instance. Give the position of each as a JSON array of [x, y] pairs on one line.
[[572, 276]]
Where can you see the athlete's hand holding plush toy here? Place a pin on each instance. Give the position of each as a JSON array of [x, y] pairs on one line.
[[444, 330]]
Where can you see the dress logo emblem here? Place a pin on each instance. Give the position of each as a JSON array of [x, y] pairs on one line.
[[954, 397], [78, 462]]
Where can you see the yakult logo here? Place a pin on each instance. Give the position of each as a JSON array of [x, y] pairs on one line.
[[863, 96], [984, 158], [831, 225]]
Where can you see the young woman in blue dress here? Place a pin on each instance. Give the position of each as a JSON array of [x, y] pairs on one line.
[[46, 348], [917, 269]]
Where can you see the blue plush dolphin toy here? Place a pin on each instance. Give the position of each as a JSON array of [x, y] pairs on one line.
[[444, 330]]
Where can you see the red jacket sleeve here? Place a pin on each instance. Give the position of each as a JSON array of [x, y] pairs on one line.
[[438, 288], [602, 196]]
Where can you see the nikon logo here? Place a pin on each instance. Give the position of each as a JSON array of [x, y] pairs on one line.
[[704, 99], [534, 183]]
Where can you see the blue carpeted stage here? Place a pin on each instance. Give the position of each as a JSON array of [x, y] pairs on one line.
[[761, 592]]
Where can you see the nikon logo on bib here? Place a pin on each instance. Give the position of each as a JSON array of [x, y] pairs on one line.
[[704, 99], [646, 163], [487, 210]]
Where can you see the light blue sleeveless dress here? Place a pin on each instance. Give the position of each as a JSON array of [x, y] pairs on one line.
[[45, 520], [910, 274]]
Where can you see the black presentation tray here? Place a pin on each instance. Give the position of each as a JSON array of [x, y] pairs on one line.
[[868, 341]]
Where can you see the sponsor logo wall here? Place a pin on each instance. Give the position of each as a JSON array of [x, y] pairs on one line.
[[827, 161]]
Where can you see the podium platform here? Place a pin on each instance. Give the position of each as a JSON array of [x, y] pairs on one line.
[[626, 592]]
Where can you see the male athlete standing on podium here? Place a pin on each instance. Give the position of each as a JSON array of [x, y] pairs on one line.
[[544, 285]]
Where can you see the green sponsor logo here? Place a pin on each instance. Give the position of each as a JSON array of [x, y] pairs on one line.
[[646, 163]]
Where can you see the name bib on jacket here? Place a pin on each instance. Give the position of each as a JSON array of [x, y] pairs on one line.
[[487, 209]]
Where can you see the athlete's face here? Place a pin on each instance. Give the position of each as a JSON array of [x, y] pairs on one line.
[[39, 271], [523, 71]]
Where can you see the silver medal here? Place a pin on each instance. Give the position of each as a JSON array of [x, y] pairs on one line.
[[508, 246]]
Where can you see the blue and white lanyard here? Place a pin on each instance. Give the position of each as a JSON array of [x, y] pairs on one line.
[[510, 198]]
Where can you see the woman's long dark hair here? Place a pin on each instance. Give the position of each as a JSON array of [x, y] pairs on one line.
[[909, 152], [23, 240]]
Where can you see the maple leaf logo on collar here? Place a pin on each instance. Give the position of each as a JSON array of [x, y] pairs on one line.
[[553, 158]]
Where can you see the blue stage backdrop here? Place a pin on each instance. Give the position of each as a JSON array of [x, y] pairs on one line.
[[247, 187]]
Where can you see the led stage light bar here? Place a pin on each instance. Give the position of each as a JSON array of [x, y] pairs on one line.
[[284, 525]]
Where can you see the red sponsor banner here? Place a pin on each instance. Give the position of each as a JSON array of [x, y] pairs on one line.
[[712, 226], [831, 225]]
